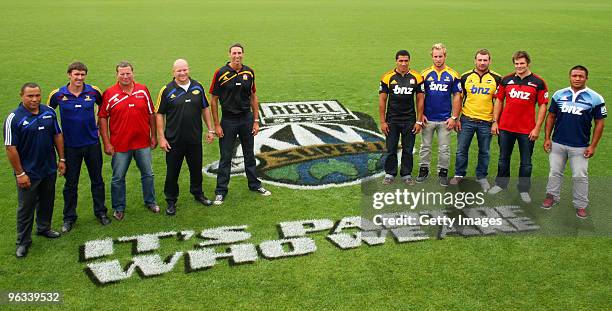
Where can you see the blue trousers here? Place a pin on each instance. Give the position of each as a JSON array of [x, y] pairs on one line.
[[92, 155]]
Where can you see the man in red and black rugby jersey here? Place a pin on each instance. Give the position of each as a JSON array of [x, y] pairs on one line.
[[233, 85], [516, 120], [398, 115]]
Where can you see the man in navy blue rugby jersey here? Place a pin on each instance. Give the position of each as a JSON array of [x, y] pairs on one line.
[[570, 115], [77, 101]]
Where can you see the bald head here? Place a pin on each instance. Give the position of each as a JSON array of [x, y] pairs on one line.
[[180, 69], [180, 62]]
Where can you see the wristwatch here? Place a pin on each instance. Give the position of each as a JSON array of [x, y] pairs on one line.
[[453, 117], [419, 123]]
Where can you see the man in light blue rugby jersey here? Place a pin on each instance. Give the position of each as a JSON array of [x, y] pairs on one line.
[[570, 117], [442, 87]]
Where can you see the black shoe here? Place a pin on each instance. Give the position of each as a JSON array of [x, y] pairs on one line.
[[50, 234], [203, 200], [66, 227], [443, 177], [104, 220], [22, 251], [423, 173], [171, 209]]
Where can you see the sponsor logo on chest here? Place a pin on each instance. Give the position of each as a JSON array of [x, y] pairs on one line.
[[438, 87], [480, 90], [571, 109], [519, 94], [402, 90]]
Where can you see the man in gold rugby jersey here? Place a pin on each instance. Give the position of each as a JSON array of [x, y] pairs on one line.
[[479, 85]]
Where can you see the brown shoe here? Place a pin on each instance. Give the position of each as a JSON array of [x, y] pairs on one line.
[[153, 207], [118, 215], [456, 180]]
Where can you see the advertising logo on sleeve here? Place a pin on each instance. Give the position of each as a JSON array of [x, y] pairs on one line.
[[312, 145]]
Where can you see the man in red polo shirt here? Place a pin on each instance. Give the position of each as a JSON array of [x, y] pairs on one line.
[[521, 90], [128, 110]]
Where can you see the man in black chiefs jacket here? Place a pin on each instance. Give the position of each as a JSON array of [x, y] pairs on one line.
[[233, 86]]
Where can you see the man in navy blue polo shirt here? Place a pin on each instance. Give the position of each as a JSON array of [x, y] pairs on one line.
[[76, 102], [181, 108], [31, 133]]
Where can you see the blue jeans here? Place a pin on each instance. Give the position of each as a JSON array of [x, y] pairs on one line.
[[506, 145], [120, 164], [407, 138], [482, 129]]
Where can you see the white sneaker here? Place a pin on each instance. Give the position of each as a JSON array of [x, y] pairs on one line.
[[484, 183], [218, 199], [525, 197], [262, 191], [495, 190]]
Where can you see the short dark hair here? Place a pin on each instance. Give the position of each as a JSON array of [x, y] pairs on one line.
[[236, 45], [123, 64], [402, 53], [580, 67], [521, 54], [482, 52], [29, 85], [76, 66]]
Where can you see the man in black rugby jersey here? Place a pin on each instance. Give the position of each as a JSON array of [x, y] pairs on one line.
[[398, 116]]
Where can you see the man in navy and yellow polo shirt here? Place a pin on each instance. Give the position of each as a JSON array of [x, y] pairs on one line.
[[479, 85], [77, 102], [442, 106], [181, 107], [31, 134], [398, 116]]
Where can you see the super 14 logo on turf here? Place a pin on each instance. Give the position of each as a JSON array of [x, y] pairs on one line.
[[312, 145]]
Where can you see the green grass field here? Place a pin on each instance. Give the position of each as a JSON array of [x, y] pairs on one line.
[[305, 50]]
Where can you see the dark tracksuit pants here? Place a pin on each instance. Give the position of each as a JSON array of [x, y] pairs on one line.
[[174, 161], [232, 127], [38, 198]]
